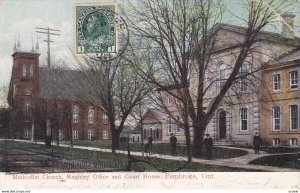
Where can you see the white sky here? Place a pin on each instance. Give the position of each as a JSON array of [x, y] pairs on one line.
[[22, 16]]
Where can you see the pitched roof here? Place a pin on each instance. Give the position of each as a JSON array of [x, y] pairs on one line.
[[156, 112], [288, 57], [266, 35], [56, 83]]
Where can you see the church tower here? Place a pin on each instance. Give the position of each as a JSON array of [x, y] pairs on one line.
[[23, 90]]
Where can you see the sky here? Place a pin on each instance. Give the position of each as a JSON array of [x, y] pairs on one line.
[[18, 19]]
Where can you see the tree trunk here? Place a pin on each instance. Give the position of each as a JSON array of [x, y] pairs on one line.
[[71, 133], [115, 139], [198, 141], [188, 144], [57, 137]]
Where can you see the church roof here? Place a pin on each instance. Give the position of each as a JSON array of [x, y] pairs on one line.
[[57, 83]]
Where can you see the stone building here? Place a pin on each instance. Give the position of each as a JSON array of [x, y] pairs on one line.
[[280, 112], [240, 114]]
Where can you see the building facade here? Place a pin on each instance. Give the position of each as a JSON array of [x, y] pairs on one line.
[[241, 114], [280, 125], [44, 103]]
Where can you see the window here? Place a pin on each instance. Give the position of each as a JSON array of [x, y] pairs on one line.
[[276, 141], [105, 119], [276, 82], [60, 134], [105, 134], [243, 74], [294, 117], [157, 132], [91, 115], [31, 70], [24, 70], [75, 134], [293, 141], [170, 130], [75, 114], [276, 118], [222, 75], [293, 79], [26, 133], [244, 119], [27, 109], [244, 84], [90, 134], [145, 134], [169, 122]]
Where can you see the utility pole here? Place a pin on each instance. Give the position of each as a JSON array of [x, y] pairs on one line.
[[49, 32]]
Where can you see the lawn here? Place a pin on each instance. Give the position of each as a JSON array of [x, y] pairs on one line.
[[285, 161], [120, 160]]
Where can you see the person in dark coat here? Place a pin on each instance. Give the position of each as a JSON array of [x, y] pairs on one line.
[[208, 144], [257, 142], [148, 146], [173, 143]]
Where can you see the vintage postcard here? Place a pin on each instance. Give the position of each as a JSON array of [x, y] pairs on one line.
[[149, 94]]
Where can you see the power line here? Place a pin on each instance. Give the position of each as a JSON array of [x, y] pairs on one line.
[[49, 32]]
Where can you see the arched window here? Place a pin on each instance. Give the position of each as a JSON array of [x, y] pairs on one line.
[[24, 70], [75, 114], [91, 115], [27, 109], [31, 70]]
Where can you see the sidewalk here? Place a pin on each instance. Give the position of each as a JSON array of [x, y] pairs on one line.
[[237, 162]]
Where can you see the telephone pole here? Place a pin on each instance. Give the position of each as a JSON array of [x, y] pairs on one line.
[[49, 32]]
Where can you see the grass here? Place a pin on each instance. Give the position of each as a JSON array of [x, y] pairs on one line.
[[282, 149], [120, 160], [285, 161]]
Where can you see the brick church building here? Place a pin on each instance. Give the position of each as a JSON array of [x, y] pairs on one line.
[[44, 103]]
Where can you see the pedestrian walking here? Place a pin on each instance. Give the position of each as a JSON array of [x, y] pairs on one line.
[[257, 142], [208, 144], [173, 143]]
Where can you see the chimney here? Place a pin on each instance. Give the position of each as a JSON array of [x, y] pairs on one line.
[[288, 25]]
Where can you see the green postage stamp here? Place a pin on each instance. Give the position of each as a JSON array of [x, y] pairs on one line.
[[95, 28]]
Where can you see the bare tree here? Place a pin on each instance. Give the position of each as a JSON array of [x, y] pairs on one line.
[[114, 87], [182, 39]]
